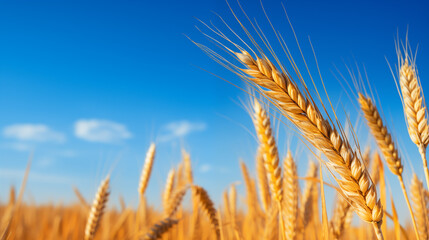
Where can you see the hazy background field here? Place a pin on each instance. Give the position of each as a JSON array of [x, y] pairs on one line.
[[86, 86]]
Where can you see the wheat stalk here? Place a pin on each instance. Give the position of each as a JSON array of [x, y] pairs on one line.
[[386, 145], [168, 190], [175, 201], [355, 180], [208, 207], [290, 202], [158, 229], [147, 169], [97, 209], [269, 150], [420, 207]]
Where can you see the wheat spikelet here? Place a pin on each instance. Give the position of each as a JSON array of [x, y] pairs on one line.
[[175, 201], [355, 181], [147, 169], [339, 220], [381, 134], [306, 207], [97, 209], [158, 229], [290, 203], [420, 207], [269, 149], [208, 207], [264, 189], [168, 190]]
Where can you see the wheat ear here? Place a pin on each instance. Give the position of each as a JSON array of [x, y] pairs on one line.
[[147, 169], [271, 157], [290, 202], [269, 150], [386, 145], [263, 186], [306, 207], [97, 209], [420, 207], [175, 201], [339, 220], [381, 135], [158, 229], [414, 108], [208, 207], [168, 190], [355, 180]]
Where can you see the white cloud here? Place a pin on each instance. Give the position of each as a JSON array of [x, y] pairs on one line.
[[205, 168], [180, 129], [33, 132], [96, 130], [18, 146]]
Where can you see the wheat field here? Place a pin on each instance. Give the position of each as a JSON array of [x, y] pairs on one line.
[[277, 203]]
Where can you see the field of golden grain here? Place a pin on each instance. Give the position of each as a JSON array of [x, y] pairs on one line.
[[274, 205]]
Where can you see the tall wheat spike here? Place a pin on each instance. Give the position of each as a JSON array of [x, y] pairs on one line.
[[147, 169], [386, 144], [160, 228], [354, 180], [269, 150], [97, 209], [420, 207], [290, 203], [414, 106]]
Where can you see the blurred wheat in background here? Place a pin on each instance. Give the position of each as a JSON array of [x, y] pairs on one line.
[[278, 203]]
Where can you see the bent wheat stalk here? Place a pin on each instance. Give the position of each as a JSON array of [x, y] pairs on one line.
[[160, 228], [208, 207], [386, 145]]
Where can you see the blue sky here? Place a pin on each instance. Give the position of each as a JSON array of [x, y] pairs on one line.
[[87, 85]]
